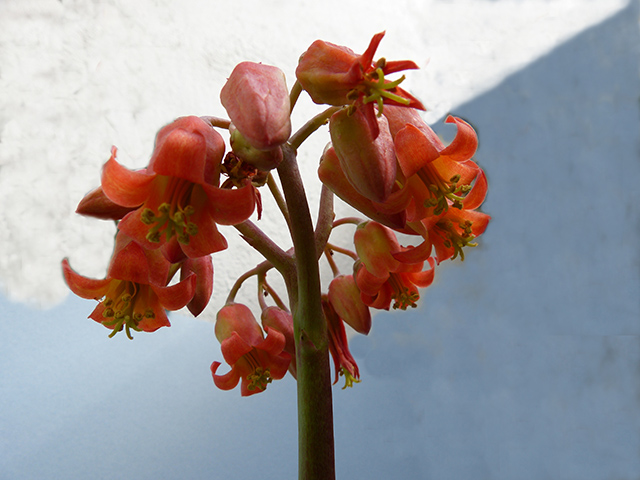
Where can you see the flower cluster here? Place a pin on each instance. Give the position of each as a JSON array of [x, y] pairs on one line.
[[383, 160], [167, 216]]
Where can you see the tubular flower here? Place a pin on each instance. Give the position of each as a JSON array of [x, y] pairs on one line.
[[386, 271], [134, 295], [178, 196], [254, 359], [367, 156], [343, 361], [331, 174], [257, 101], [335, 75]]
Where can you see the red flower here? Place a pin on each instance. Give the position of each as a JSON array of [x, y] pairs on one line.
[[254, 359], [177, 196], [386, 273], [335, 75], [134, 295], [443, 186], [343, 361]]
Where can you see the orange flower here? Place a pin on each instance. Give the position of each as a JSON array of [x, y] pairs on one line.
[[177, 196], [335, 75], [134, 295], [385, 273], [254, 359]]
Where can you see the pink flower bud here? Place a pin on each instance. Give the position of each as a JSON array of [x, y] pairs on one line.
[[257, 101]]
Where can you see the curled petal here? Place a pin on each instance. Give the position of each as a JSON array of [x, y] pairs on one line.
[[174, 297], [465, 143], [425, 278], [231, 206], [227, 381], [125, 187], [477, 194], [84, 287]]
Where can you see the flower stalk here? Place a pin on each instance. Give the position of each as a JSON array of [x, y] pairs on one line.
[[315, 410]]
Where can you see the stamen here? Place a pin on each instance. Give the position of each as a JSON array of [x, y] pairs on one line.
[[172, 217]]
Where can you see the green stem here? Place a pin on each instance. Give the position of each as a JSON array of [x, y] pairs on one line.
[[311, 126], [315, 410]]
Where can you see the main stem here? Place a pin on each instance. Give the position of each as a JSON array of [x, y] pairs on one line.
[[315, 410]]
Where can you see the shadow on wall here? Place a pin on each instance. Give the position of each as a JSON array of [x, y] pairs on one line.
[[525, 358]]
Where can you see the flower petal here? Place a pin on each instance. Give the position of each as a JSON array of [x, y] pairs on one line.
[[82, 286], [231, 206], [414, 150], [176, 296], [465, 143], [125, 187]]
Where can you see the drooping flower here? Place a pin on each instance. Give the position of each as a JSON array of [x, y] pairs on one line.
[[255, 360], [442, 175], [257, 101], [367, 156], [134, 295], [443, 186], [343, 361], [384, 274], [335, 75], [178, 195]]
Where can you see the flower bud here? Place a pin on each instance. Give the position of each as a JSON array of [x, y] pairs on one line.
[[257, 101]]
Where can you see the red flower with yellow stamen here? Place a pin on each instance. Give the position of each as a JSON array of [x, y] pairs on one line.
[[255, 360], [178, 195], [134, 295], [335, 75], [386, 273]]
